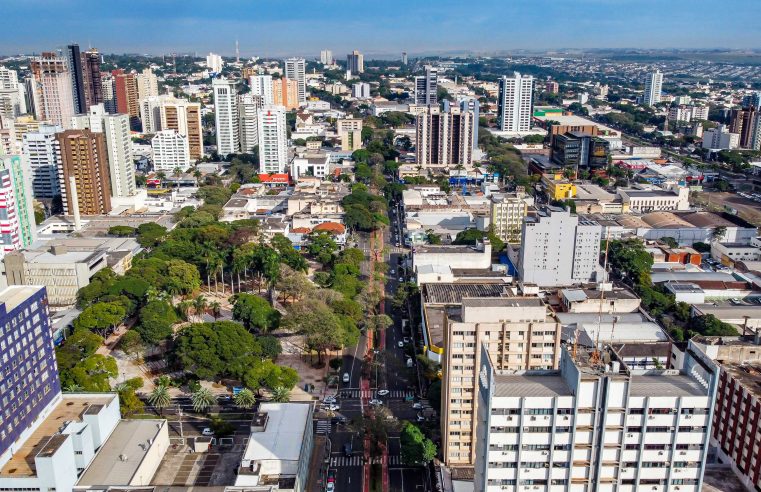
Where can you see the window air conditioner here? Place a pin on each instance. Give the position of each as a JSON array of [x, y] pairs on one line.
[[682, 453]]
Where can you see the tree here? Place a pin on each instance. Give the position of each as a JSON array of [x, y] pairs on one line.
[[322, 328], [129, 403], [271, 347], [202, 399], [101, 318], [182, 277], [255, 313], [280, 394], [199, 306], [670, 242], [216, 309], [122, 231], [434, 395], [150, 234], [159, 398], [710, 325], [322, 247], [156, 320], [131, 344], [630, 258], [292, 284], [718, 233], [245, 399], [416, 448]]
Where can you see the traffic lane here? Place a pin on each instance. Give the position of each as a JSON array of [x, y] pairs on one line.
[[348, 478], [406, 479]]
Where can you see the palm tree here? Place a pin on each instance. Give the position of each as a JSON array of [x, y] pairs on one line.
[[216, 310], [199, 306], [160, 398], [177, 172], [184, 309], [73, 388], [245, 399], [202, 399], [281, 394]]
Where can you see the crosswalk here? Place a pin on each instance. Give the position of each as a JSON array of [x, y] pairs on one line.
[[356, 393], [323, 427], [346, 461]]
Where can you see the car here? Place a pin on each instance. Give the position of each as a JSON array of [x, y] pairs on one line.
[[339, 419], [383, 392], [375, 402], [347, 449], [346, 377], [401, 279], [331, 475], [400, 344], [332, 407], [207, 431], [406, 339], [420, 417], [391, 271], [330, 487], [417, 405], [329, 399]]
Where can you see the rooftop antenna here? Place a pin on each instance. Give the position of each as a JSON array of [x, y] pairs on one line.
[[595, 358]]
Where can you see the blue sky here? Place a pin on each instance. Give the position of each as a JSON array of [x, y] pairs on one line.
[[284, 27]]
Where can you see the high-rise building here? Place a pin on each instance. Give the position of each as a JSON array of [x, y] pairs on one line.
[[595, 424], [552, 87], [472, 105], [74, 60], [745, 122], [53, 98], [326, 57], [91, 77], [444, 138], [109, 94], [248, 113], [285, 92], [426, 87], [752, 100], [12, 94], [8, 139], [40, 148], [150, 113], [82, 155], [404, 57], [170, 151], [507, 214], [185, 117], [295, 69], [515, 103], [261, 85], [125, 92], [559, 248], [653, 87], [147, 84], [519, 332], [350, 132], [226, 116], [115, 130], [355, 62], [360, 90], [17, 225], [720, 138], [32, 367], [273, 140], [214, 63]]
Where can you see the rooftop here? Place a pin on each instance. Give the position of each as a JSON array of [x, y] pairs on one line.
[[523, 385], [748, 374], [454, 293], [665, 385], [68, 409], [121, 455], [14, 295], [283, 435]]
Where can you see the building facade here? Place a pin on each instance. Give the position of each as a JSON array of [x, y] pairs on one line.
[[147, 84], [261, 85], [515, 103], [350, 132], [170, 151], [360, 90], [559, 248], [355, 62], [40, 149], [445, 138], [214, 62], [507, 213], [326, 57], [285, 92], [273, 140], [83, 156], [226, 116], [52, 89], [653, 87], [126, 96], [295, 69], [248, 111], [17, 224], [426, 87]]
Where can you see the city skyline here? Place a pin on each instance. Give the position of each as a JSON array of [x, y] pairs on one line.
[[293, 27]]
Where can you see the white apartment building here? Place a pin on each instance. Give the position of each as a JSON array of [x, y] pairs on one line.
[[518, 332], [559, 248], [273, 140], [170, 151], [426, 87], [720, 138], [261, 85], [680, 113], [315, 164], [699, 113], [653, 200], [12, 94], [653, 86], [52, 95], [515, 102], [147, 84], [167, 112], [248, 109], [507, 213], [226, 116], [326, 57], [295, 69], [40, 149], [115, 129], [214, 62], [350, 132], [594, 425], [150, 113], [360, 90]]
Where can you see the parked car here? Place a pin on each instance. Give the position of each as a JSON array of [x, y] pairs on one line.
[[383, 392], [400, 344], [375, 402], [406, 339], [329, 399], [346, 377], [207, 431], [420, 417], [417, 405]]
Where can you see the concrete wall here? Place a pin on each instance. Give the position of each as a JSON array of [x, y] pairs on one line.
[[152, 459]]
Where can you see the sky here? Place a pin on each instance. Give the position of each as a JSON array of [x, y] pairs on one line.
[[375, 27]]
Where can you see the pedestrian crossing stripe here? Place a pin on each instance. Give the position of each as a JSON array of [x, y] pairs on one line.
[[347, 461], [373, 394], [323, 427]]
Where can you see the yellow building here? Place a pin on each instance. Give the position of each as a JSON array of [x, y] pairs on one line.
[[559, 188]]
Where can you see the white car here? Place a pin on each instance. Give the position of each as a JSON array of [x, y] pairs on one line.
[[400, 343], [417, 406], [382, 392], [331, 407], [406, 340], [207, 431], [346, 377], [331, 487], [375, 402], [329, 399], [401, 279], [420, 417]]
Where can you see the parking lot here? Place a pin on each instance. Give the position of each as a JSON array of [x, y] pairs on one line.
[[181, 467]]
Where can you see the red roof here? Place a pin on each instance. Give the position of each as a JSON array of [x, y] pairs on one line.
[[301, 230], [331, 227], [274, 178]]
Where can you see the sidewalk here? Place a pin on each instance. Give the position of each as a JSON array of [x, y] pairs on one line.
[[316, 475]]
